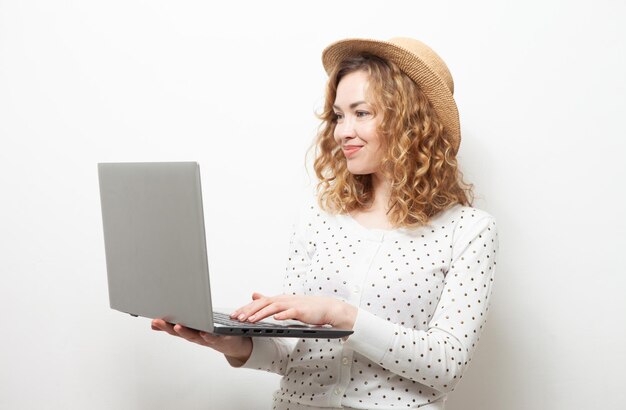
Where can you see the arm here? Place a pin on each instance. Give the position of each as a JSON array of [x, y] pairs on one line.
[[272, 354], [438, 356], [269, 354]]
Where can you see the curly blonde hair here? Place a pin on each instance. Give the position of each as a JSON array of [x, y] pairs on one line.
[[419, 157]]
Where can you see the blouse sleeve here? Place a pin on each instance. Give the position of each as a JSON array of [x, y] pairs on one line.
[[437, 357], [272, 354]]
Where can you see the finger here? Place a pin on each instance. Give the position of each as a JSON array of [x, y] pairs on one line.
[[189, 334], [267, 311], [291, 313], [210, 338], [238, 312], [257, 295], [251, 308], [164, 326], [155, 325]]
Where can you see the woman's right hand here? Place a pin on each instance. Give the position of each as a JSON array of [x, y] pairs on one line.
[[237, 349]]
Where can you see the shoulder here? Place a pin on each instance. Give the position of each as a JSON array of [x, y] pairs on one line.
[[308, 206], [461, 216], [309, 213], [465, 222]]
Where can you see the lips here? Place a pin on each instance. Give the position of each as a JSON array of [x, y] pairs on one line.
[[351, 150]]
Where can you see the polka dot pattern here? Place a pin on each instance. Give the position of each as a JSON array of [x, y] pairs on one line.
[[423, 296]]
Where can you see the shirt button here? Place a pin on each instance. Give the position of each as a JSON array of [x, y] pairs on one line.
[[356, 289], [337, 392], [345, 361]]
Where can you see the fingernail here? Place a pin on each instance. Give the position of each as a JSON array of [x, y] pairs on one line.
[[241, 316], [251, 318]]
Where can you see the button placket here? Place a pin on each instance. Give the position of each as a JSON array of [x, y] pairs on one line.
[[344, 374]]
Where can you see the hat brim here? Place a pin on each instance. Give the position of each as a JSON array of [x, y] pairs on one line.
[[435, 89]]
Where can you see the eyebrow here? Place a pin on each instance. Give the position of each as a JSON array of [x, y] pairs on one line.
[[353, 105]]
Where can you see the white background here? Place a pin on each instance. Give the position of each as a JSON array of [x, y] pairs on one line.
[[542, 95]]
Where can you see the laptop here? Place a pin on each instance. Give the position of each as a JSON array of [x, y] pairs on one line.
[[156, 257]]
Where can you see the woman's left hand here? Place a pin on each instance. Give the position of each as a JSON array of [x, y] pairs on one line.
[[314, 310]]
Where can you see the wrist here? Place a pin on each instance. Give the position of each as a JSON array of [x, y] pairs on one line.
[[238, 359], [345, 316]]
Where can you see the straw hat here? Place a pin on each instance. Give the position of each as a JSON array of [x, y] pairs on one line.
[[416, 60]]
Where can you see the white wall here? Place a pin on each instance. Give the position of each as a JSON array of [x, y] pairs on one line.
[[542, 94]]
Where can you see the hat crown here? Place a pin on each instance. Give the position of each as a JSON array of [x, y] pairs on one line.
[[428, 57]]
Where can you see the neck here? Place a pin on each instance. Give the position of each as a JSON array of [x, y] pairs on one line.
[[382, 192]]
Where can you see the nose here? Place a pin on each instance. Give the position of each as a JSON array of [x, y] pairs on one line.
[[345, 130]]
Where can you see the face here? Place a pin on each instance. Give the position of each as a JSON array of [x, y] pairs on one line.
[[356, 131]]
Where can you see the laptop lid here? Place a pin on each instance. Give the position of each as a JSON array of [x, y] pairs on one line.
[[155, 249], [155, 242]]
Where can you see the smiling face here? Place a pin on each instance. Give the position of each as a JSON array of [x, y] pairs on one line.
[[356, 129]]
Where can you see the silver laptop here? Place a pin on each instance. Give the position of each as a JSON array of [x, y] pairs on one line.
[[156, 255]]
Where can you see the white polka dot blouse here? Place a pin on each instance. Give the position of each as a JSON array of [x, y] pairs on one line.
[[422, 296]]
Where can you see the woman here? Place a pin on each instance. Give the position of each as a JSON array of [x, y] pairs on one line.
[[391, 248]]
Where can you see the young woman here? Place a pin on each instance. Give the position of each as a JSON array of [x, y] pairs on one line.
[[390, 248]]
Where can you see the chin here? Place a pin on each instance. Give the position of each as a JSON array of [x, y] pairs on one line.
[[356, 170]]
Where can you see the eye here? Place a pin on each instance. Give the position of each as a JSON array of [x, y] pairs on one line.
[[338, 117], [361, 114]]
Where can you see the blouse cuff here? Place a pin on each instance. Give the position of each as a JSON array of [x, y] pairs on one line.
[[263, 353], [372, 336]]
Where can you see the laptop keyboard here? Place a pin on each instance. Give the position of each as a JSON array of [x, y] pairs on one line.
[[225, 319]]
